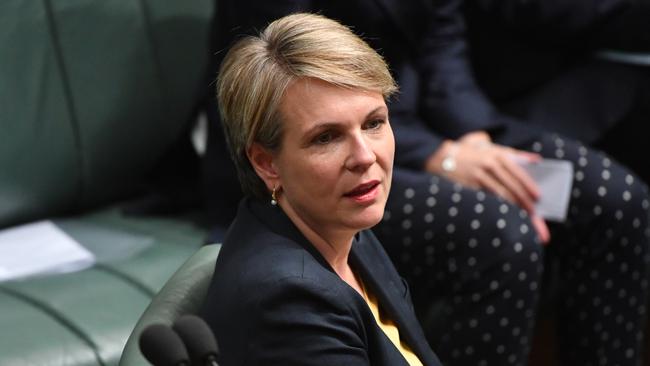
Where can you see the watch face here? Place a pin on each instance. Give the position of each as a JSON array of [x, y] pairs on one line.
[[448, 164]]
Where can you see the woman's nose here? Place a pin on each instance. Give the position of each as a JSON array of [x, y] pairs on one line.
[[361, 156]]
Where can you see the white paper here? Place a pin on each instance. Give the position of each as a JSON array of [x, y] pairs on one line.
[[632, 58], [554, 179], [40, 248]]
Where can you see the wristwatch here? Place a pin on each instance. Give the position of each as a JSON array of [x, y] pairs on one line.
[[448, 164]]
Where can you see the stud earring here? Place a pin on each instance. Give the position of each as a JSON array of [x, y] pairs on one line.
[[274, 199]]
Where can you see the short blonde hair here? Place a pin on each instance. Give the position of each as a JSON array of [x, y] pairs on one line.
[[257, 71]]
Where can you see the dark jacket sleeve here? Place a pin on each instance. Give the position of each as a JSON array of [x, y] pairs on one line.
[[452, 103], [415, 141]]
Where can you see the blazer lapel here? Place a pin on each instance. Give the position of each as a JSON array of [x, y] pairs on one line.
[[389, 294]]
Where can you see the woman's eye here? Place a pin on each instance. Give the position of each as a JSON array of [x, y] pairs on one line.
[[323, 138], [374, 124]]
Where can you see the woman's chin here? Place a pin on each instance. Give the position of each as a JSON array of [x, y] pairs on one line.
[[368, 218]]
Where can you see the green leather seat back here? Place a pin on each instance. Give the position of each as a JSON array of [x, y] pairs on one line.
[[92, 94], [38, 161], [184, 293]]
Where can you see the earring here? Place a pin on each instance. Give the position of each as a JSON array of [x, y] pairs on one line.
[[274, 200]]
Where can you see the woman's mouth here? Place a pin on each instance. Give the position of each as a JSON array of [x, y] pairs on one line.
[[364, 192]]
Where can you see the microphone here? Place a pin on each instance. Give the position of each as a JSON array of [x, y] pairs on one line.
[[199, 340], [161, 346]]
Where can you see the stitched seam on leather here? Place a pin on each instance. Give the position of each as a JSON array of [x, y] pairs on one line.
[[146, 16], [67, 91], [130, 280], [58, 317]]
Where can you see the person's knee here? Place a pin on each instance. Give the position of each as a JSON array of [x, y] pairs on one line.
[[628, 203]]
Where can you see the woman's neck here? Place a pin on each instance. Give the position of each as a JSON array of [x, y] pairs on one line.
[[333, 245], [336, 253]]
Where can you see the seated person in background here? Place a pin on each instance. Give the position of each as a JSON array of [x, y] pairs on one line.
[[299, 279], [469, 234], [542, 62]]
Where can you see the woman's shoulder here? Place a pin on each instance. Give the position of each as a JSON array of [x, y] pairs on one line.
[[278, 277], [271, 261], [254, 255]]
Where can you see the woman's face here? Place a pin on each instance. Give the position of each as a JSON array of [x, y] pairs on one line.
[[335, 163]]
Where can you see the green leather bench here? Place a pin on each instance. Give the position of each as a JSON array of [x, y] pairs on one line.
[[93, 95]]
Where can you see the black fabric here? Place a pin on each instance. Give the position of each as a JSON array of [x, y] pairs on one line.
[[274, 300]]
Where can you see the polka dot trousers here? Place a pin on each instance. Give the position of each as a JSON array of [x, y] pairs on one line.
[[478, 256]]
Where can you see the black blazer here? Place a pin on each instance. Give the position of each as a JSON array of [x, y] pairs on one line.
[[274, 300]]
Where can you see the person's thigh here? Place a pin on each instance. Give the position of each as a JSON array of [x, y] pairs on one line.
[[602, 255], [474, 255], [431, 222]]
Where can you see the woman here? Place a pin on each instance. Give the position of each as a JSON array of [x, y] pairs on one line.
[[463, 236], [299, 280]]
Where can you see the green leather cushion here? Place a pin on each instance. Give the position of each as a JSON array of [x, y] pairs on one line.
[[33, 337], [95, 309]]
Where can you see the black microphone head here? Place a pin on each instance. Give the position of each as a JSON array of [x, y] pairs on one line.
[[198, 337], [161, 346]]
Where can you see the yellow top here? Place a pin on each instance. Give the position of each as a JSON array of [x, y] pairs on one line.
[[389, 328]]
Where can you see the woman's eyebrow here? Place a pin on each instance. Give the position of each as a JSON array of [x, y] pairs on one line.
[[332, 124], [380, 108], [322, 126]]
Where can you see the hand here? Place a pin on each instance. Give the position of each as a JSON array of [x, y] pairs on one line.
[[481, 164]]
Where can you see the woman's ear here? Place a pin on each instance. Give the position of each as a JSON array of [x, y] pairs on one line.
[[263, 162]]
